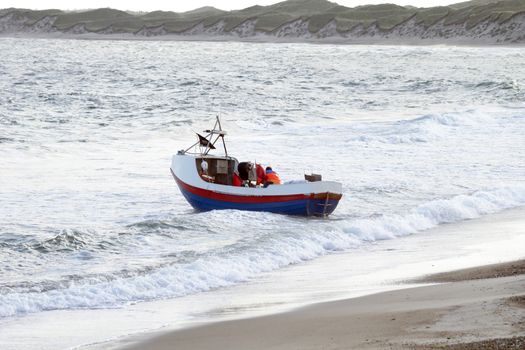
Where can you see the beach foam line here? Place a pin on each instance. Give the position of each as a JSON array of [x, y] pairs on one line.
[[436, 212], [243, 261]]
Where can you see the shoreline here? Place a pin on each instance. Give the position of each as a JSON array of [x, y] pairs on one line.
[[480, 307], [259, 40]]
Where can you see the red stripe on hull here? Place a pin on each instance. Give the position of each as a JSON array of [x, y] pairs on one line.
[[238, 198]]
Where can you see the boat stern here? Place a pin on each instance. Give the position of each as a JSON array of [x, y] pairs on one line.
[[322, 204]]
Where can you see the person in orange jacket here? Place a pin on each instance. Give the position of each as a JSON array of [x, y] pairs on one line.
[[272, 178]]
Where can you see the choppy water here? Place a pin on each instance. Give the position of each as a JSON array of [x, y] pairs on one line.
[[89, 214]]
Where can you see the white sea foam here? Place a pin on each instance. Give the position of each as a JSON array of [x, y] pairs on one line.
[[270, 253]]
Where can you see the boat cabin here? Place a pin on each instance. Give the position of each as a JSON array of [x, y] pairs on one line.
[[217, 170]]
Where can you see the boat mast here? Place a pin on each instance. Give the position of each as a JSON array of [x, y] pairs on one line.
[[222, 136], [208, 142]]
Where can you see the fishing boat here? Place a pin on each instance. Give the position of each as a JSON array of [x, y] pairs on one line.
[[206, 181]]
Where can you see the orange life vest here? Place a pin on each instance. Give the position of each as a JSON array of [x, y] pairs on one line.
[[273, 177]]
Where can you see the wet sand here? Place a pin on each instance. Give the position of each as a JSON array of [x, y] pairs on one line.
[[477, 308]]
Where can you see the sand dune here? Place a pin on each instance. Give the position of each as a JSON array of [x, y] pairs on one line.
[[479, 21]]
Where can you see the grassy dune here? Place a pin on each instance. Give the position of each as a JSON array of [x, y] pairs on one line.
[[270, 18]]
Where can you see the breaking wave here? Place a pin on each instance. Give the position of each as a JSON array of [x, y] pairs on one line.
[[67, 240], [423, 129], [498, 85], [246, 259]]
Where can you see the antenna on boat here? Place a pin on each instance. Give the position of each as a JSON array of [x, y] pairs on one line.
[[208, 142], [222, 136]]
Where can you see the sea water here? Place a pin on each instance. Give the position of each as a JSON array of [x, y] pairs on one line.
[[92, 225]]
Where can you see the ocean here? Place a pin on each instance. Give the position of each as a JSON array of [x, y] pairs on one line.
[[96, 241]]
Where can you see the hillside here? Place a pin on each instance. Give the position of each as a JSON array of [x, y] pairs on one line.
[[489, 21]]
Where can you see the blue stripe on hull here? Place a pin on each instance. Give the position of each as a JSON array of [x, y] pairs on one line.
[[305, 207]]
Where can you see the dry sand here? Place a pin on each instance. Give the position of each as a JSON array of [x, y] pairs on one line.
[[481, 308], [513, 268]]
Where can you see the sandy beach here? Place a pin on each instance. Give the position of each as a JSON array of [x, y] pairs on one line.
[[477, 308]]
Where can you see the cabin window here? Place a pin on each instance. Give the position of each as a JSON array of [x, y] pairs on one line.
[[219, 171], [222, 166]]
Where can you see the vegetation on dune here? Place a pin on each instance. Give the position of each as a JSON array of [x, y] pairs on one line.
[[203, 11], [431, 16], [179, 22], [302, 7], [32, 15], [318, 22], [38, 15], [159, 14], [270, 18], [385, 16], [232, 21], [347, 24], [497, 12], [179, 25], [472, 3], [269, 21], [121, 26], [93, 19]]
